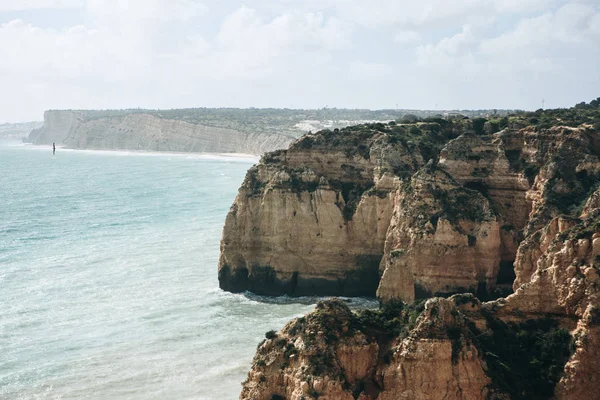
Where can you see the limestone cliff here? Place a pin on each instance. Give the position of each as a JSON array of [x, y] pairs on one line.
[[456, 348], [540, 342], [404, 210], [564, 284], [313, 219], [470, 207], [150, 132], [442, 237], [335, 354]]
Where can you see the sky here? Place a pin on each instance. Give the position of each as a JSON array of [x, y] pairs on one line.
[[426, 54]]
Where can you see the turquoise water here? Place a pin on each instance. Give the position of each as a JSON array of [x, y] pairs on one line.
[[108, 278]]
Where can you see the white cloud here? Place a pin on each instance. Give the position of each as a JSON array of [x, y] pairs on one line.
[[451, 47], [553, 55], [570, 25], [407, 37], [120, 11], [155, 58], [412, 14], [368, 71], [245, 28], [184, 53], [523, 6], [20, 5]]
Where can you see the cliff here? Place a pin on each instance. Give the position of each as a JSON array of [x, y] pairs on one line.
[[539, 343], [470, 210], [146, 131], [406, 211]]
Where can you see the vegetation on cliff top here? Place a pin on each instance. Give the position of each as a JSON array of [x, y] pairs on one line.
[[526, 359], [331, 322]]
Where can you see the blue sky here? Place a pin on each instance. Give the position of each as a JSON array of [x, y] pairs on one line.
[[444, 54]]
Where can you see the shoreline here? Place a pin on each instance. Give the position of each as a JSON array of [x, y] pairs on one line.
[[148, 153]]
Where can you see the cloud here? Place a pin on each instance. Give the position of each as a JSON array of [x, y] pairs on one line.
[[20, 5], [185, 53], [570, 25], [248, 45], [120, 11], [523, 6], [449, 48], [415, 14], [554, 55], [157, 58], [368, 71], [407, 37]]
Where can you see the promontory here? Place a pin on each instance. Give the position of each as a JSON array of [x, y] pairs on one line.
[[480, 237], [201, 130]]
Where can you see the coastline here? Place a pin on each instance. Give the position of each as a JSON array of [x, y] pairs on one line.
[[242, 157]]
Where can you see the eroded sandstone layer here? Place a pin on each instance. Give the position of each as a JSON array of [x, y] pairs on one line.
[[540, 342], [406, 211], [472, 207]]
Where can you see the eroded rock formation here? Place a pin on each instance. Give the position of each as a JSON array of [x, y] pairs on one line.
[[310, 220], [443, 237], [335, 354], [405, 211], [469, 210], [540, 342]]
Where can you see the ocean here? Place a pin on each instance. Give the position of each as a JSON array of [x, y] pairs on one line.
[[108, 277]]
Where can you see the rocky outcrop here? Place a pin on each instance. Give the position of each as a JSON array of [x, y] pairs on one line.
[[564, 285], [442, 342], [471, 211], [442, 237], [149, 132], [404, 211], [335, 354], [313, 219]]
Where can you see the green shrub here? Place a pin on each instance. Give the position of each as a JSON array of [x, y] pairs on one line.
[[414, 130], [479, 125], [271, 334], [525, 360]]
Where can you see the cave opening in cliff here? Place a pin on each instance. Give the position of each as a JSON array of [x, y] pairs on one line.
[[293, 283], [505, 279], [479, 186]]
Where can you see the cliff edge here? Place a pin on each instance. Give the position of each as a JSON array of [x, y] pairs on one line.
[[408, 211], [481, 238], [150, 132], [539, 343]]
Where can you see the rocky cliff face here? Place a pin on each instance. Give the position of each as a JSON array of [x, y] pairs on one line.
[[335, 354], [465, 208], [141, 131], [442, 237], [540, 342], [313, 219], [404, 211], [456, 348], [565, 285]]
